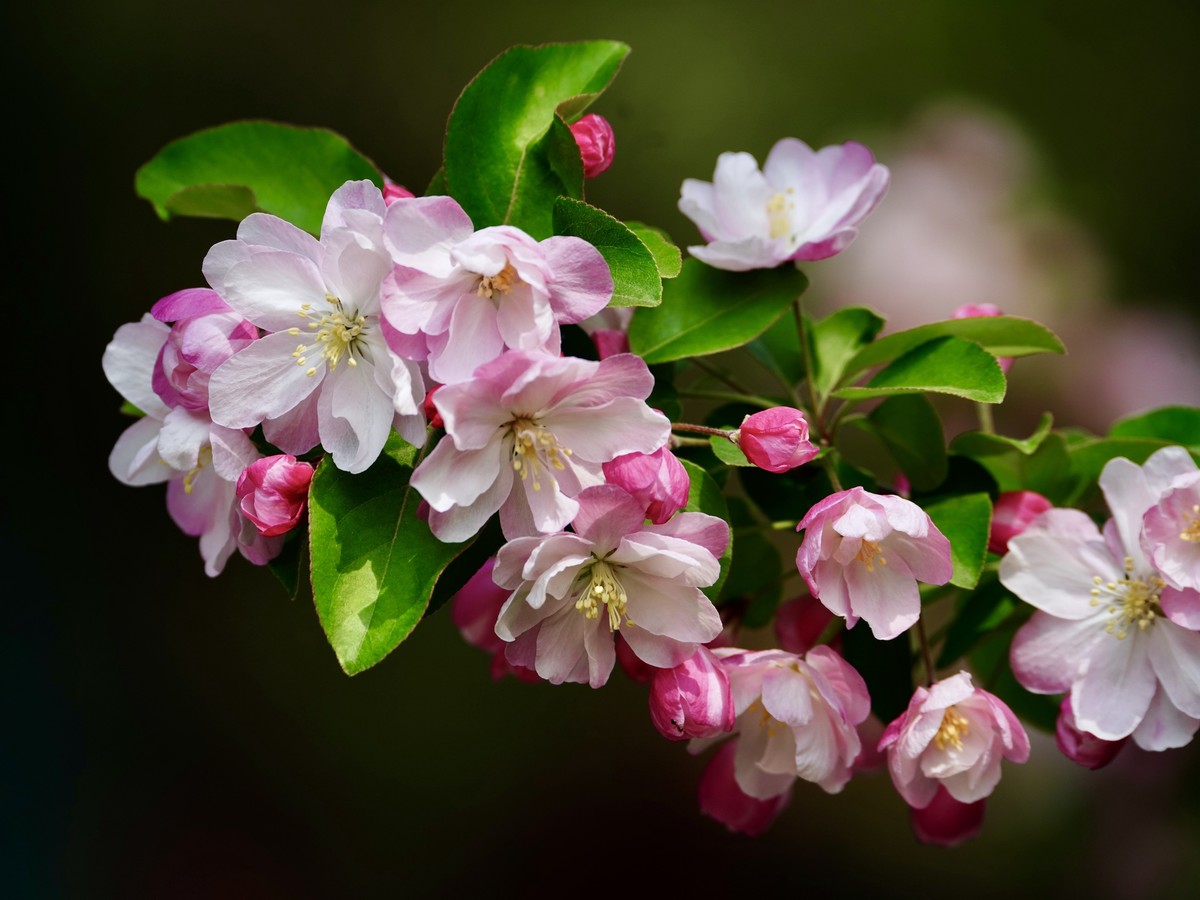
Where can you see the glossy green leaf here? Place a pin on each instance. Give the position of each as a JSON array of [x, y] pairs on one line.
[[911, 429], [728, 452], [999, 335], [1176, 424], [1088, 458], [636, 281], [437, 185], [966, 522], [979, 443], [836, 340], [945, 365], [704, 495], [291, 565], [374, 562], [509, 153], [707, 310], [778, 348], [233, 170], [754, 580], [978, 616], [667, 256]]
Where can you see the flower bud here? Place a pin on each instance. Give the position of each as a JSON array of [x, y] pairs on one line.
[[776, 439], [975, 310], [597, 144], [656, 480], [946, 822], [1012, 514], [723, 800], [272, 492], [693, 699], [1079, 746], [799, 622], [474, 610], [393, 192]]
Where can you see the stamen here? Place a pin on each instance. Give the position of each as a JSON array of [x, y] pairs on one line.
[[1191, 526], [953, 729], [337, 335], [1130, 601], [869, 553], [500, 283], [779, 215], [603, 589], [534, 447]]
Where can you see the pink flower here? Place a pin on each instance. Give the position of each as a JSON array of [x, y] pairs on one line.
[[467, 295], [953, 734], [803, 205], [692, 700], [527, 434], [475, 609], [272, 493], [1079, 746], [572, 592], [393, 192], [947, 822], [776, 439], [800, 622], [1171, 534], [597, 144], [723, 800], [796, 718], [974, 310], [657, 480], [204, 333], [864, 553], [609, 330], [1106, 629], [1011, 514]]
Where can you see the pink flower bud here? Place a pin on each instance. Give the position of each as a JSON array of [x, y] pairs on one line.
[[474, 610], [272, 492], [975, 310], [632, 664], [597, 144], [1012, 514], [610, 342], [799, 622], [946, 822], [432, 415], [776, 439], [656, 480], [1079, 746], [723, 800], [393, 192], [693, 699]]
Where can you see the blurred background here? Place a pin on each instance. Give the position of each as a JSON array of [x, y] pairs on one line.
[[174, 736]]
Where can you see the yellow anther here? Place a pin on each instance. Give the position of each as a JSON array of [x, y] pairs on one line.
[[1130, 601], [1191, 526], [603, 589], [869, 554], [953, 729], [500, 283]]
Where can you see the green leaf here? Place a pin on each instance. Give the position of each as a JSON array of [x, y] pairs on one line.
[[509, 153], [233, 170], [1039, 463], [980, 443], [966, 522], [290, 566], [667, 256], [704, 495], [1176, 424], [944, 365], [728, 452], [128, 409], [778, 348], [437, 184], [636, 281], [836, 339], [979, 616], [754, 579], [912, 430], [374, 562], [999, 335], [1088, 458], [707, 310]]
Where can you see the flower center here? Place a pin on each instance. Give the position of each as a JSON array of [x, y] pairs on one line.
[[868, 552], [535, 448], [335, 334], [953, 729], [603, 589], [779, 214], [1131, 601], [1191, 526], [500, 283], [203, 457]]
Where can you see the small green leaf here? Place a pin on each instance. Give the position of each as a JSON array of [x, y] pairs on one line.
[[911, 429], [980, 443], [667, 256], [966, 522], [374, 562], [1088, 458], [1175, 424], [704, 495], [437, 184], [636, 281], [129, 409], [778, 348], [979, 615], [509, 152], [728, 452], [707, 310], [836, 339], [1040, 463], [233, 170], [999, 335], [944, 365]]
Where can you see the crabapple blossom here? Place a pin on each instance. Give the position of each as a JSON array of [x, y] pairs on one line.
[[323, 372], [527, 434], [393, 192], [947, 822], [796, 718], [953, 734], [1107, 627], [1171, 535], [272, 493], [657, 480], [572, 592], [474, 609], [722, 799], [470, 295], [1012, 513], [692, 700], [864, 553], [609, 330], [803, 205], [597, 143], [776, 439], [1079, 746]]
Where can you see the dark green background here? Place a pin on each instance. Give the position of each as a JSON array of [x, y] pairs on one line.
[[171, 736]]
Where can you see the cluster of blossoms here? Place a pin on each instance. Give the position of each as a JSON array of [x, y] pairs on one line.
[[401, 317]]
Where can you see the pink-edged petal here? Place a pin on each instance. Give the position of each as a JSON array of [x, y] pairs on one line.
[[753, 747], [669, 609], [550, 509], [296, 431], [353, 273], [269, 289], [1049, 654], [582, 284], [354, 417], [1175, 656], [420, 232], [352, 197], [232, 451], [473, 339], [601, 653], [606, 514], [1181, 607], [786, 696], [413, 300], [1115, 689], [134, 459], [1129, 496], [707, 531], [887, 598], [562, 649], [450, 477], [129, 361], [1164, 726], [461, 522], [850, 689], [625, 425], [526, 321], [272, 232], [668, 558], [740, 256], [182, 437], [261, 381]]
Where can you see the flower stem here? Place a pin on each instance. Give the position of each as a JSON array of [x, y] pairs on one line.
[[986, 425], [703, 429]]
